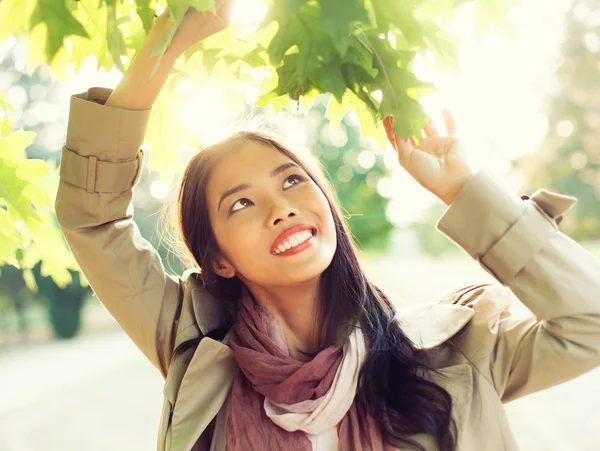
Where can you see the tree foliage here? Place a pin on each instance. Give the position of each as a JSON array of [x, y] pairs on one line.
[[360, 51], [568, 159], [28, 230], [355, 169]]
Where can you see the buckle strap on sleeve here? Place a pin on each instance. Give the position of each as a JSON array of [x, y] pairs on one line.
[[97, 176], [554, 205], [91, 174], [528, 235]]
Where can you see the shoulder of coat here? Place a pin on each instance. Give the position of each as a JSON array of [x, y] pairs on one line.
[[431, 325]]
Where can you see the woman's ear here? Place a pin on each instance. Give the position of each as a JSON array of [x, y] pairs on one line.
[[223, 268]]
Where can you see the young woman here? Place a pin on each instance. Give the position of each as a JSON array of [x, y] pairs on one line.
[[278, 341]]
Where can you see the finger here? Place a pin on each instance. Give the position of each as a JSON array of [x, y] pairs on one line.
[[387, 125], [403, 148], [225, 8], [396, 140], [430, 129], [449, 121]]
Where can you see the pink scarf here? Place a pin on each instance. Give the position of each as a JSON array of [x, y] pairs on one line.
[[276, 399]]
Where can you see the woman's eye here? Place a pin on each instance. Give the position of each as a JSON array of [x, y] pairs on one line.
[[239, 200], [296, 176], [293, 176]]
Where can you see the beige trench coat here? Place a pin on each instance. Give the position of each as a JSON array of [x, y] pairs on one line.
[[489, 357]]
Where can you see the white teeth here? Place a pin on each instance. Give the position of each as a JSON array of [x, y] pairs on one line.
[[294, 241]]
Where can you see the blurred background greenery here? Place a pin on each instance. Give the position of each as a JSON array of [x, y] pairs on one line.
[[528, 108]]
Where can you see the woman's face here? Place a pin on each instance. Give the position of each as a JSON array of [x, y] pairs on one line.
[[247, 223]]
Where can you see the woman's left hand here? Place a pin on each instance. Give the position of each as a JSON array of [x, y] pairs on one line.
[[438, 163]]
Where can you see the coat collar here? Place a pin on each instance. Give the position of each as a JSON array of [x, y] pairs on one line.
[[426, 326], [212, 368]]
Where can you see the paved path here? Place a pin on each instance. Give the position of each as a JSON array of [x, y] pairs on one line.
[[69, 396]]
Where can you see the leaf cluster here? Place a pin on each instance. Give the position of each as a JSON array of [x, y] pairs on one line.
[[28, 231], [361, 51]]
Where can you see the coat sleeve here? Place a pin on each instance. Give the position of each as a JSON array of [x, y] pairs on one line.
[[517, 240], [100, 165]]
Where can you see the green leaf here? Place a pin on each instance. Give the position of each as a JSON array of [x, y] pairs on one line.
[[306, 55], [331, 80], [177, 9], [124, 20], [145, 13], [430, 9], [280, 102], [14, 14], [271, 97], [394, 79], [228, 47], [114, 36], [4, 105], [10, 239], [357, 77], [288, 81], [19, 194], [282, 10], [19, 178], [33, 170], [359, 54], [255, 58], [398, 13], [29, 279], [5, 127], [50, 248], [134, 38], [335, 112], [307, 100], [95, 22], [59, 23], [442, 45], [292, 33], [204, 5], [13, 145], [337, 17]]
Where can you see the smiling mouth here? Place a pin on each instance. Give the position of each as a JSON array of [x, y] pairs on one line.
[[298, 248]]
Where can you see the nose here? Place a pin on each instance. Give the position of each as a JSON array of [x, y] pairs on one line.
[[280, 211]]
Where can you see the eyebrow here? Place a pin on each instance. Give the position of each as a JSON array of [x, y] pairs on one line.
[[244, 186]]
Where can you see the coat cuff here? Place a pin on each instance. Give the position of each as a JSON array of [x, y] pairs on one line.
[[499, 229], [102, 153], [107, 133]]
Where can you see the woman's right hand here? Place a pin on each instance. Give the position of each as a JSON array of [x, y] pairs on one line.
[[197, 25], [146, 76]]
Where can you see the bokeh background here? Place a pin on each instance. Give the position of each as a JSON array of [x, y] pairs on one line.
[[527, 107]]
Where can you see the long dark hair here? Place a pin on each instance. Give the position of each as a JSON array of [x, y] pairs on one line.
[[391, 385]]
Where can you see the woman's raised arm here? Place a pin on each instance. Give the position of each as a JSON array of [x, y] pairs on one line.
[[518, 242], [101, 163]]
